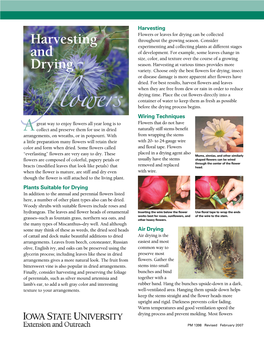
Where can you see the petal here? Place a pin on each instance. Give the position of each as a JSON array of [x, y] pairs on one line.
[[230, 127], [202, 187], [209, 138], [217, 147], [208, 131], [216, 122], [222, 144], [236, 134], [153, 189], [211, 125], [211, 141], [226, 138], [229, 133], [223, 124], [232, 143], [214, 184]]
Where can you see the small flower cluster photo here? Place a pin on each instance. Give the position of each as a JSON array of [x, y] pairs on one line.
[[76, 70]]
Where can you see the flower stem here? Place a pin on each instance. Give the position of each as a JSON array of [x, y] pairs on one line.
[[167, 199], [173, 204], [117, 32], [119, 39]]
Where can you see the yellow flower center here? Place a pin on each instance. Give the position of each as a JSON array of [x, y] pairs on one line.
[[219, 133]]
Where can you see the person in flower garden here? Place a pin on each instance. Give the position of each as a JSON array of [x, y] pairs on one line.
[[155, 190], [82, 78]]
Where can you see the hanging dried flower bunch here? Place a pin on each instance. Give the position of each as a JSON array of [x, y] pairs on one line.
[[226, 248], [193, 250], [209, 254], [182, 245], [199, 257], [191, 246], [228, 269], [225, 245]]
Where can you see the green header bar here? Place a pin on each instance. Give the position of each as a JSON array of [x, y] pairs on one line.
[[133, 15], [128, 5]]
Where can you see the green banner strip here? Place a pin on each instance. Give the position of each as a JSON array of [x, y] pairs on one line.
[[132, 15], [144, 5]]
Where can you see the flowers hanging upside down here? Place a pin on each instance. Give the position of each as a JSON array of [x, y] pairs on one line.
[[154, 191], [84, 77], [38, 104], [219, 133], [227, 249]]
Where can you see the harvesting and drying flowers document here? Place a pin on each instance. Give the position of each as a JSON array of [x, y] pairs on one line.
[[131, 174]]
